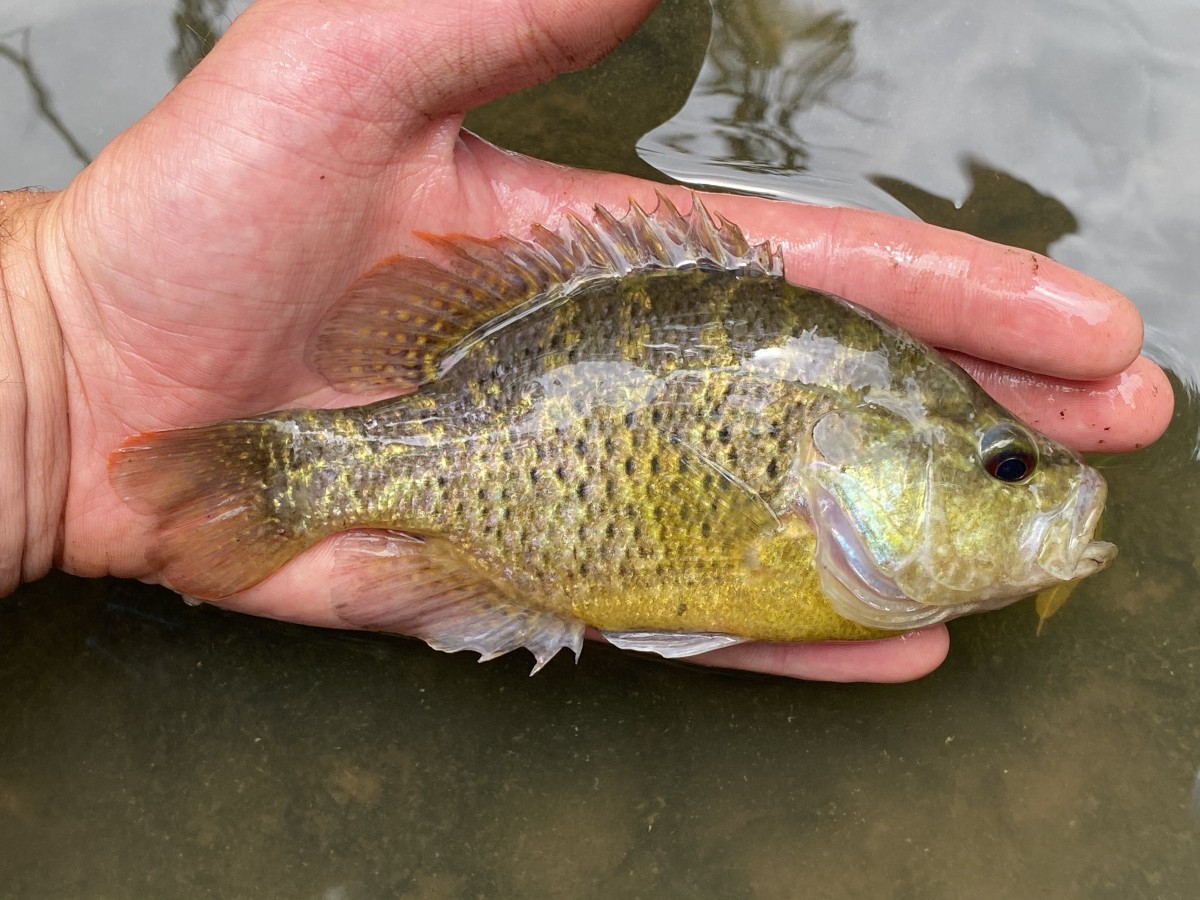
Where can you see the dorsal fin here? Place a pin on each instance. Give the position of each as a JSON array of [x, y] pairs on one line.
[[398, 321]]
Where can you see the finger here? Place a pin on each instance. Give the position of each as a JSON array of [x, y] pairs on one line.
[[999, 303], [432, 59], [1124, 412], [889, 661]]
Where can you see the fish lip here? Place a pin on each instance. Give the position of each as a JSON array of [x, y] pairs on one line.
[[1095, 557], [1091, 555]]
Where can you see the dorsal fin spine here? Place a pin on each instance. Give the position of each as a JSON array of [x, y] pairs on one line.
[[397, 322]]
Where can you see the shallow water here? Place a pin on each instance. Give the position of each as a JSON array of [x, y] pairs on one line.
[[151, 749]]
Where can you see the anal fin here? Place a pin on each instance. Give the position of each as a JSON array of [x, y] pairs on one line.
[[425, 588]]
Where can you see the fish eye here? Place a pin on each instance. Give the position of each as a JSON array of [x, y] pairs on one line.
[[1008, 454]]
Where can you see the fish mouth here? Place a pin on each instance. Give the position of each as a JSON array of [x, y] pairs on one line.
[[1086, 556], [1096, 556]]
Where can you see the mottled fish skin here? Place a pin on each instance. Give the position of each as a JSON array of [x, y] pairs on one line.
[[634, 446]]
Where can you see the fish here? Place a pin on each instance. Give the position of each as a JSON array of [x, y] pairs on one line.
[[636, 424]]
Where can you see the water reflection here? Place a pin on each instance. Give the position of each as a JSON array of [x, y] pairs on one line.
[[773, 72], [21, 56], [771, 65]]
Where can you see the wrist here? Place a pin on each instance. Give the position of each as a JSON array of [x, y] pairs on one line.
[[34, 435]]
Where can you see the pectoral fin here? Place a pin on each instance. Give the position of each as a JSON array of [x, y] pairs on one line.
[[671, 644], [426, 588]]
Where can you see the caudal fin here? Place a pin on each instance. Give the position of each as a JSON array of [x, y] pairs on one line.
[[211, 491]]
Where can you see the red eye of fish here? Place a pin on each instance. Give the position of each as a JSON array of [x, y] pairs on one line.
[[1008, 454]]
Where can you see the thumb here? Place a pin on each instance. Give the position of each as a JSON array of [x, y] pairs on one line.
[[437, 59]]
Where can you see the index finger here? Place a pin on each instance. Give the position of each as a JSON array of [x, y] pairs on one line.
[[1003, 304]]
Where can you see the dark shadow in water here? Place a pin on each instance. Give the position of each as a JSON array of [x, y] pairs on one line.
[[199, 25], [593, 118], [41, 96], [1000, 207]]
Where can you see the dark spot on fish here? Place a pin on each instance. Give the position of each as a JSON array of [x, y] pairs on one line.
[[654, 465], [683, 464], [581, 447], [1062, 413], [533, 476], [724, 435], [732, 455], [506, 454], [656, 416], [441, 481], [609, 449], [560, 474], [658, 514], [680, 609], [581, 490], [629, 465], [628, 420], [584, 570], [637, 531], [482, 493], [708, 480], [772, 468], [705, 529], [610, 488], [507, 513]]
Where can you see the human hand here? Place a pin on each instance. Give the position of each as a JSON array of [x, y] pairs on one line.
[[178, 279]]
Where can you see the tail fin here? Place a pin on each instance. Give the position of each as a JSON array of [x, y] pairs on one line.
[[211, 491]]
